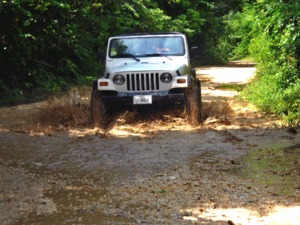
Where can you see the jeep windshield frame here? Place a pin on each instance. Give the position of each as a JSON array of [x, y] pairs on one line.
[[146, 46]]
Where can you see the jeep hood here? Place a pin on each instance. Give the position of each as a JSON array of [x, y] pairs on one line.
[[143, 66]]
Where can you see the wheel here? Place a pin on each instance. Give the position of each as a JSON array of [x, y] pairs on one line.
[[193, 103], [98, 110]]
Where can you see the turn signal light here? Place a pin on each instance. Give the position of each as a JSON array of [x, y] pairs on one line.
[[103, 83], [181, 81]]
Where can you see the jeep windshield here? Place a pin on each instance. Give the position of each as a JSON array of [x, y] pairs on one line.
[[132, 47]]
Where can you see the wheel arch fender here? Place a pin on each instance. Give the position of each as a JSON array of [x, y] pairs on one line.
[[95, 85]]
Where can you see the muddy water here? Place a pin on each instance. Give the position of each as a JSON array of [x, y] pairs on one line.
[[79, 170], [75, 207], [276, 165], [81, 190], [138, 171]]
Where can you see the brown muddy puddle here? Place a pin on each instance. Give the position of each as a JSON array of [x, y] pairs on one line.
[[68, 214], [77, 202], [277, 166], [270, 165]]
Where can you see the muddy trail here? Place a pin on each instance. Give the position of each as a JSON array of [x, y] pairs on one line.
[[150, 166]]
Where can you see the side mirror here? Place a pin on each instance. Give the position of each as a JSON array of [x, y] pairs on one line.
[[195, 51], [101, 56]]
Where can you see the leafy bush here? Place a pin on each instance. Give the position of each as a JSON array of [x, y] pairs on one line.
[[49, 46], [45, 46], [276, 46]]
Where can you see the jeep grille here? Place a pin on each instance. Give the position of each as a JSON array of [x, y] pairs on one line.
[[142, 81]]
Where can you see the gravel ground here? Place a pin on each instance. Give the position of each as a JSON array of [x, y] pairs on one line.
[[149, 167]]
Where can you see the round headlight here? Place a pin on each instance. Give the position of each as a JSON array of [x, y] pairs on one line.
[[166, 77], [119, 79]]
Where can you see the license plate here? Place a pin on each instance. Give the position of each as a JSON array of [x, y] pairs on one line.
[[142, 99]]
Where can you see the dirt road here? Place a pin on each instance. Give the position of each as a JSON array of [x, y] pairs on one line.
[[150, 166]]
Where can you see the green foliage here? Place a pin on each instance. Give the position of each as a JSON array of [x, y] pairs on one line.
[[45, 46], [238, 27], [275, 44], [49, 46]]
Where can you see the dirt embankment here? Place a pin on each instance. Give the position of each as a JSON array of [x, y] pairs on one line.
[[149, 166]]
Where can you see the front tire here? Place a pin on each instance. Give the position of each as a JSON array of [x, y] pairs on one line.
[[193, 103], [98, 110]]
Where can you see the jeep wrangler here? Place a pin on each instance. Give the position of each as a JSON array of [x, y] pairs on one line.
[[146, 69]]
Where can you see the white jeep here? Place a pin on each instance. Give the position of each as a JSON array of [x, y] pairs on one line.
[[146, 69]]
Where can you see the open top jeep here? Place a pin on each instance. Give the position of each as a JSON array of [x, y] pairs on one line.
[[146, 69]]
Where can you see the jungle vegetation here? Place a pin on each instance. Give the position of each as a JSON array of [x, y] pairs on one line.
[[48, 46]]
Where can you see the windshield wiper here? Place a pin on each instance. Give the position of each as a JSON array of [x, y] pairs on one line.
[[157, 54], [128, 55]]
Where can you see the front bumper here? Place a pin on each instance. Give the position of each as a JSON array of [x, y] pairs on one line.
[[156, 99]]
